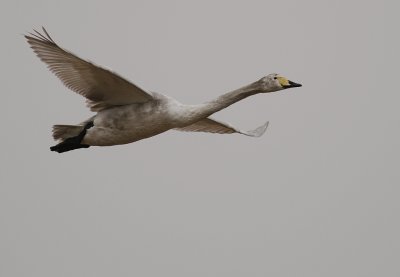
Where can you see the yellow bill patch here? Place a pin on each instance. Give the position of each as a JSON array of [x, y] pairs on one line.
[[283, 81]]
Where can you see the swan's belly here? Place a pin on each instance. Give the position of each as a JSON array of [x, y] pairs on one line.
[[100, 136], [130, 123]]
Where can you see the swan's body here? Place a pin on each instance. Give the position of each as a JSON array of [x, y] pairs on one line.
[[127, 113]]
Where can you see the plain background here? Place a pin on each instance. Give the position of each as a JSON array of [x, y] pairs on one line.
[[317, 195]]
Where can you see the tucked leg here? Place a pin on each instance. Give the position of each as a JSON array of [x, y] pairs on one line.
[[73, 142]]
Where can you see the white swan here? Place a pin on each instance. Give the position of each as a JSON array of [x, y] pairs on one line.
[[127, 113]]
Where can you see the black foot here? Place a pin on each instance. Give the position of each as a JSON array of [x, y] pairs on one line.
[[74, 142], [67, 146]]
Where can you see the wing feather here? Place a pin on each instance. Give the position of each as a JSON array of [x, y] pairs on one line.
[[101, 87], [209, 125]]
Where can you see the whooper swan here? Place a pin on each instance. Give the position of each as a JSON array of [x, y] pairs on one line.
[[127, 113]]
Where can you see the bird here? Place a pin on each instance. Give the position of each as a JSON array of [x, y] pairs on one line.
[[126, 113]]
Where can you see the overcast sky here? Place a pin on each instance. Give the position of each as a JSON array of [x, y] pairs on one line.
[[317, 195]]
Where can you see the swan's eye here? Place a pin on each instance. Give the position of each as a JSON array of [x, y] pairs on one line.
[[275, 78]]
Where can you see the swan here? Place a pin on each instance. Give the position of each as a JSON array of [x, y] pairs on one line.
[[126, 113]]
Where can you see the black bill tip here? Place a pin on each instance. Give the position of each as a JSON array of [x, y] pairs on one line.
[[293, 85]]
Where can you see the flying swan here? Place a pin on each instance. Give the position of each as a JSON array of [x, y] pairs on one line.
[[127, 113]]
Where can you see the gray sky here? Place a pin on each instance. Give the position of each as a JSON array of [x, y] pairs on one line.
[[317, 195]]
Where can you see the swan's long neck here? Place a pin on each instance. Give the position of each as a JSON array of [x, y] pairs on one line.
[[225, 100]]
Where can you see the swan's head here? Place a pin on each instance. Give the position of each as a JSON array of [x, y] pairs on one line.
[[275, 82]]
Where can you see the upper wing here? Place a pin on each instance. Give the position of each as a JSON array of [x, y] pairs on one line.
[[209, 125], [101, 87]]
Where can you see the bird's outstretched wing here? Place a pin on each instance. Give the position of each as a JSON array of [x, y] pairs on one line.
[[209, 125], [101, 87]]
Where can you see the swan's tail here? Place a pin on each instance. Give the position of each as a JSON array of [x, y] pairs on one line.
[[62, 132]]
